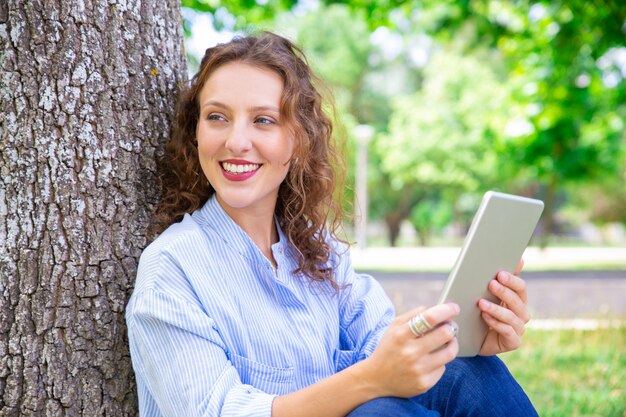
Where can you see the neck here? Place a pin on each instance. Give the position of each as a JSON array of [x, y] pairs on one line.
[[258, 225], [263, 233]]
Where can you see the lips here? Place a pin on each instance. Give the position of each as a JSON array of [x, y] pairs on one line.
[[238, 170]]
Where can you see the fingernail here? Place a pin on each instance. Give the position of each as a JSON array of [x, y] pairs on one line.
[[504, 275]]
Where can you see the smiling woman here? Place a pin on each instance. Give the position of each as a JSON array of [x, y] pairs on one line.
[[248, 305], [244, 148], [253, 99]]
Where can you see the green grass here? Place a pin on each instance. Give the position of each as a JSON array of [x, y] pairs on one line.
[[573, 373]]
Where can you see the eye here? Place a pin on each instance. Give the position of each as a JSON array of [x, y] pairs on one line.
[[215, 117], [263, 120]]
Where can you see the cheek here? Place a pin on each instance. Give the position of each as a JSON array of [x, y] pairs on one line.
[[207, 138], [206, 147], [289, 148], [206, 156]]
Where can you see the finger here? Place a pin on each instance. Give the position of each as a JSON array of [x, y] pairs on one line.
[[445, 353], [511, 299], [410, 314], [502, 314], [511, 339], [432, 366], [520, 266], [433, 317], [515, 283], [438, 314], [427, 380], [440, 336]]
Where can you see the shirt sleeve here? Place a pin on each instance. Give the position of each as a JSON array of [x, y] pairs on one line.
[[179, 357], [365, 313]]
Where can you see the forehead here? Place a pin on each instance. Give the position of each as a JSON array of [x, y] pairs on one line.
[[237, 80]]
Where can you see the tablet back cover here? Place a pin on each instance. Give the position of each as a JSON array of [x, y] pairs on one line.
[[497, 238]]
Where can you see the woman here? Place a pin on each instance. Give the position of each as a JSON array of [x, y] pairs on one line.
[[247, 304]]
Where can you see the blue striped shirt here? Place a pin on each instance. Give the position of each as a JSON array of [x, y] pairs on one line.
[[215, 330]]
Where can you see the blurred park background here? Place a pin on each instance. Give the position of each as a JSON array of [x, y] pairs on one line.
[[441, 100]]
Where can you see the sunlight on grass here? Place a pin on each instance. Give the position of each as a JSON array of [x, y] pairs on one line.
[[573, 373]]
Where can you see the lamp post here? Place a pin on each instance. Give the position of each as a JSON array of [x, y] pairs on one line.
[[363, 134]]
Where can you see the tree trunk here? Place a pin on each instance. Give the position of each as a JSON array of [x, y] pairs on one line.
[[394, 218], [394, 221], [423, 236], [86, 94]]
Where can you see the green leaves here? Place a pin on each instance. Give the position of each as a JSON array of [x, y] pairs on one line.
[[246, 12], [442, 136], [525, 96]]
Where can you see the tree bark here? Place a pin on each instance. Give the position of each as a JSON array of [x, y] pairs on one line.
[[402, 210], [394, 221], [86, 93]]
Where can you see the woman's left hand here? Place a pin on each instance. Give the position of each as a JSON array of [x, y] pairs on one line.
[[508, 319]]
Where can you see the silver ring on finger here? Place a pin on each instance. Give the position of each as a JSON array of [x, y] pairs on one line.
[[419, 325]]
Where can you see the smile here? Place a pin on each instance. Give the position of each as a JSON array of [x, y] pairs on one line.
[[239, 168]]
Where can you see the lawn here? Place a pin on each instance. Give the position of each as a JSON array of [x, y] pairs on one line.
[[573, 373]]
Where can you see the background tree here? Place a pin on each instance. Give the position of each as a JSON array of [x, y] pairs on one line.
[[562, 64], [572, 104], [442, 137], [431, 215], [86, 93], [565, 65]]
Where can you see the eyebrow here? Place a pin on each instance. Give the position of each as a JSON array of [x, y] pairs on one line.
[[254, 108]]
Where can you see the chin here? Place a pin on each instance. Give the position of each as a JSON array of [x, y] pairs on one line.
[[236, 200], [247, 199]]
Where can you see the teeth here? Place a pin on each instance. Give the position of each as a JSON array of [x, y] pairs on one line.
[[239, 169]]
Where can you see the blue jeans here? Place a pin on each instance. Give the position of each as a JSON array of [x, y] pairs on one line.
[[479, 386]]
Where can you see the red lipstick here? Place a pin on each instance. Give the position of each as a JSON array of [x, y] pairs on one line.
[[238, 170]]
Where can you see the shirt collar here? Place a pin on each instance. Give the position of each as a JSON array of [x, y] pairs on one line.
[[213, 215]]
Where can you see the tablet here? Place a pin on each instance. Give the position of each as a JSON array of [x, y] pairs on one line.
[[496, 240]]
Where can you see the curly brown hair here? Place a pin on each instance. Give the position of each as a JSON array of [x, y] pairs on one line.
[[308, 208]]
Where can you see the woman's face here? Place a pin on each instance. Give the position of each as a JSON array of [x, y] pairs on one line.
[[244, 145]]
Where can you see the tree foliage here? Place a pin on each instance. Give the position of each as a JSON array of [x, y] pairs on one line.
[[443, 135], [246, 12], [525, 96]]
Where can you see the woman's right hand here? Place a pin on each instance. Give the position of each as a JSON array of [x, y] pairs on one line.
[[404, 365]]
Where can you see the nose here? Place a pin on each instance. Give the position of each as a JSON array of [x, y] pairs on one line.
[[239, 140]]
